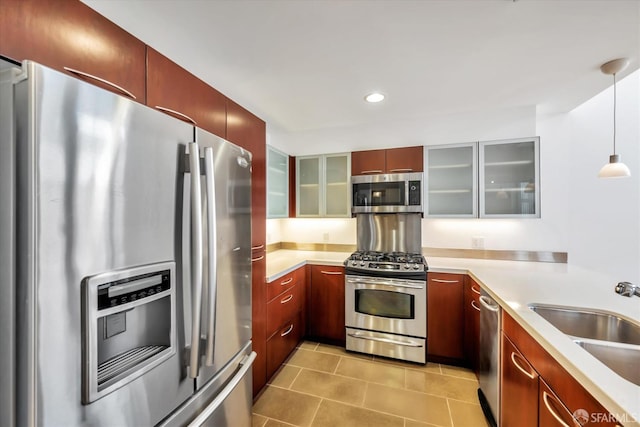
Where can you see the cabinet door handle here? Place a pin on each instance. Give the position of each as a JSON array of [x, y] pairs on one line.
[[473, 304], [474, 290], [260, 258], [402, 170], [331, 272], [253, 248], [176, 113], [371, 171], [545, 398], [287, 332], [103, 81], [520, 368], [287, 299], [445, 281], [286, 282]]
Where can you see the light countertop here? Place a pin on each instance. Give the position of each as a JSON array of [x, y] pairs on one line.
[[514, 285]]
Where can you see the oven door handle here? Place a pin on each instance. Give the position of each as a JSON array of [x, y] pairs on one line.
[[385, 340], [385, 283]]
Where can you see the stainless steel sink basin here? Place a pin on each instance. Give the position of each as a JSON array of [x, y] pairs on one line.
[[611, 338], [623, 360], [591, 324]]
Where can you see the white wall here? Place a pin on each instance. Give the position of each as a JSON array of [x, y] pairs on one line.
[[596, 221], [604, 226]]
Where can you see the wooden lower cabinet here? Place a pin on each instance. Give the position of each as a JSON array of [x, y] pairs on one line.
[[281, 343], [519, 406], [286, 322], [326, 304], [559, 394], [259, 319], [472, 323], [445, 318]]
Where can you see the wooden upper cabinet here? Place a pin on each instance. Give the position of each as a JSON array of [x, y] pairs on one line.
[[406, 159], [368, 162], [249, 132], [177, 92], [393, 160], [68, 35]]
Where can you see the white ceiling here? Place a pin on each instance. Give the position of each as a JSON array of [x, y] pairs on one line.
[[305, 65]]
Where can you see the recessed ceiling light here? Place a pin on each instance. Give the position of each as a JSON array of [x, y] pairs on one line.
[[374, 97]]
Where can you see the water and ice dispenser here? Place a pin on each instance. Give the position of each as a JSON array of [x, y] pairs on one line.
[[128, 326]]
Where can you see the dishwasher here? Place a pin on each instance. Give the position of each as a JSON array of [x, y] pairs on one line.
[[489, 360]]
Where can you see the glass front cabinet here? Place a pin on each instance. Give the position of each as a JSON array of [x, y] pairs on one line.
[[277, 183], [322, 185], [491, 179], [509, 178], [452, 183]]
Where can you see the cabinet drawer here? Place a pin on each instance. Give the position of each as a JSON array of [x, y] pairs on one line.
[[285, 282], [282, 343], [283, 308]]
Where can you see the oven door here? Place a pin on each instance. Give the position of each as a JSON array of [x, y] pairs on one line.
[[394, 306]]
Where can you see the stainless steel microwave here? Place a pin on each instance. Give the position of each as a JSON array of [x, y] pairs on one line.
[[387, 193]]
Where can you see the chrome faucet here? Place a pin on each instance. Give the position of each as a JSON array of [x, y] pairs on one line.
[[627, 289]]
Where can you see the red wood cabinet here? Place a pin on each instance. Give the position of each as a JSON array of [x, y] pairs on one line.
[[63, 33], [445, 318], [173, 90], [259, 318], [552, 412], [471, 323], [565, 388], [393, 160], [519, 406], [283, 341], [326, 304]]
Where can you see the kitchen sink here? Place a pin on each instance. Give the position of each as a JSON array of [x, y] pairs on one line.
[[621, 359], [611, 338], [590, 324]]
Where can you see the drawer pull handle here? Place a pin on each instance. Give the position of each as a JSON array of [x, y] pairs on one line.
[[287, 299], [253, 248], [287, 332], [474, 290], [103, 81], [401, 170], [520, 368], [331, 272], [473, 304], [286, 282], [371, 171], [445, 281], [260, 258], [545, 398], [180, 115]]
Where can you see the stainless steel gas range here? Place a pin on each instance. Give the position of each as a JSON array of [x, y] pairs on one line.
[[386, 304]]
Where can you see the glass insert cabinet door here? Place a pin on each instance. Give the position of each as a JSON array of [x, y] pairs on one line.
[[337, 192], [510, 178], [323, 185], [308, 172], [452, 185], [277, 183]]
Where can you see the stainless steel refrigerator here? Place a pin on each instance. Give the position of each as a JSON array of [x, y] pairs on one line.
[[125, 262]]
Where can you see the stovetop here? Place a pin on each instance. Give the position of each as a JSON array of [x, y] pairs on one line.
[[391, 264]]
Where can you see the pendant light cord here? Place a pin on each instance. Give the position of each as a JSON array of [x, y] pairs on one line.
[[614, 113]]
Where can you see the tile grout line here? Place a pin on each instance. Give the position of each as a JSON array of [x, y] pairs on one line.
[[450, 414], [315, 414]]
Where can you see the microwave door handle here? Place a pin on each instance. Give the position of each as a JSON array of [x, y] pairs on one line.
[[213, 255], [196, 258]]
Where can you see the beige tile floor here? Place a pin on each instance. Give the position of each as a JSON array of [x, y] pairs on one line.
[[324, 386]]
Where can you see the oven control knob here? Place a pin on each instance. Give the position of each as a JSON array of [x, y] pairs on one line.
[[416, 266], [362, 263], [407, 266]]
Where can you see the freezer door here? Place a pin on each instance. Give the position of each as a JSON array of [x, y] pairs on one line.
[[225, 320], [96, 187], [225, 401]]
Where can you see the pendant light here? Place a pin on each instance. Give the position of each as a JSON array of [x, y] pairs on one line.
[[615, 168]]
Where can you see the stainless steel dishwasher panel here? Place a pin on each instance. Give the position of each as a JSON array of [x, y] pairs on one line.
[[489, 364]]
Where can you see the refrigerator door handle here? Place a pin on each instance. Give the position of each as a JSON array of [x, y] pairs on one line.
[[196, 258], [225, 392], [212, 251]]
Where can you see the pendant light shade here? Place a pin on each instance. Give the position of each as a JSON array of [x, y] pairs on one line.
[[615, 168]]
